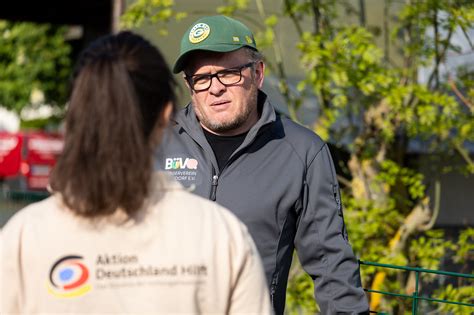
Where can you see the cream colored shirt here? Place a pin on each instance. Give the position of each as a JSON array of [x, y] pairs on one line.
[[181, 255]]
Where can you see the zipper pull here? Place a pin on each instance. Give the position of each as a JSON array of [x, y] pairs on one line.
[[273, 290], [215, 178]]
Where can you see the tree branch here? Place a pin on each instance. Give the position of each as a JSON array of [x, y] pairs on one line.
[[467, 36], [440, 56], [317, 16], [362, 18], [294, 19], [282, 77], [464, 154], [344, 181], [386, 35], [435, 212], [458, 93], [437, 55]]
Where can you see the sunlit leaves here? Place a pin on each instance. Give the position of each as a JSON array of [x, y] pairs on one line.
[[156, 12], [464, 249], [428, 249], [33, 57], [232, 6], [458, 294]]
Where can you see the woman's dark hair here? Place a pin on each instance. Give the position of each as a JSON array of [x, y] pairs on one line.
[[120, 89]]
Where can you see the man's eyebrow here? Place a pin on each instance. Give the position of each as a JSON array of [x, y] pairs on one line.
[[199, 74], [209, 73]]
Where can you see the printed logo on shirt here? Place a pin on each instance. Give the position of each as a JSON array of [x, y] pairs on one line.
[[132, 271], [180, 163], [68, 277], [184, 169]]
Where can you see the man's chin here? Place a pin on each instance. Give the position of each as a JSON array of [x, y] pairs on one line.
[[223, 128]]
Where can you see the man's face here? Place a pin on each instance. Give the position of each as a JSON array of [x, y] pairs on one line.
[[221, 109]]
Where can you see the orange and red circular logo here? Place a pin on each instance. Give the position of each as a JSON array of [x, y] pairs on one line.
[[69, 277]]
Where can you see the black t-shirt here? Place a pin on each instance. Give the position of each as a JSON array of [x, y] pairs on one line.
[[223, 146]]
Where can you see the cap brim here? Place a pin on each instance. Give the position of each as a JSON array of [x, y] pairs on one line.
[[179, 64]]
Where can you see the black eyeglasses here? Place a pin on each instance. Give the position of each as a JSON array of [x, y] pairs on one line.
[[227, 77]]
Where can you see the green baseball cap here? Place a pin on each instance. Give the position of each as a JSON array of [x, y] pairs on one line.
[[217, 33]]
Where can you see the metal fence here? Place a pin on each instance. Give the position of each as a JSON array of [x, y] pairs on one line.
[[416, 297]]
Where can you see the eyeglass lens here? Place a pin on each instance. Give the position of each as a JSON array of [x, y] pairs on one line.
[[226, 77]]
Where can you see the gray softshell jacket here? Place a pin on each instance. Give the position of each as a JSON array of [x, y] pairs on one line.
[[282, 184]]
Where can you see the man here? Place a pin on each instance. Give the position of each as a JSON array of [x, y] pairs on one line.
[[278, 177]]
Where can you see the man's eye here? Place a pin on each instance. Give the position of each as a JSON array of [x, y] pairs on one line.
[[201, 78], [229, 73]]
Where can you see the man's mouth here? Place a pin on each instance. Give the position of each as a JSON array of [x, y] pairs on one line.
[[219, 103]]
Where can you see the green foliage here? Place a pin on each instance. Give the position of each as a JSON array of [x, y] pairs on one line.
[[232, 6], [418, 17], [300, 292], [156, 12], [464, 294], [464, 290], [33, 57], [464, 249], [428, 250], [50, 123], [346, 73], [392, 173]]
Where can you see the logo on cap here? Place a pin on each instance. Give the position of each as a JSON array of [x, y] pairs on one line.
[[199, 32]]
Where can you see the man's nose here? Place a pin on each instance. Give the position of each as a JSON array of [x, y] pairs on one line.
[[216, 86]]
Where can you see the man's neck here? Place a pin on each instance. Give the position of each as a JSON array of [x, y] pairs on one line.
[[229, 133], [223, 146]]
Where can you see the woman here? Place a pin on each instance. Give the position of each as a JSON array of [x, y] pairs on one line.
[[114, 237]]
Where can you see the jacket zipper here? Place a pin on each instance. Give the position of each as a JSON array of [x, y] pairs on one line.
[[215, 179], [273, 288]]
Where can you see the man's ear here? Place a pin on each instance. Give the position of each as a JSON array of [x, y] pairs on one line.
[[259, 73], [187, 84]]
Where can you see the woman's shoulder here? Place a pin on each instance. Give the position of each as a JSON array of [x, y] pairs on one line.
[[32, 215]]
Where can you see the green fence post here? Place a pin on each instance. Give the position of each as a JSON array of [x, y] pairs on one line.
[[414, 309]]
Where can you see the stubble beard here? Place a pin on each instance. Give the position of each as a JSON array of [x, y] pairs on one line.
[[236, 122]]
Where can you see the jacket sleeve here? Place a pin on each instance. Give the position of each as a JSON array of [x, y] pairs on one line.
[[322, 244]]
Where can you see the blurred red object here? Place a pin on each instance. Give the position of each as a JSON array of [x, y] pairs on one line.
[[27, 158]]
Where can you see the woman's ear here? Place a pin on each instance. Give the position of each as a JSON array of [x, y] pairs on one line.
[[167, 112], [165, 116], [162, 123]]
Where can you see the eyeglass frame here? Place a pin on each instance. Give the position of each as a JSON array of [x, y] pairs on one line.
[[190, 80]]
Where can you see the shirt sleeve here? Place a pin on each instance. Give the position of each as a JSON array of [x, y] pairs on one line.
[[10, 271], [322, 244], [250, 293]]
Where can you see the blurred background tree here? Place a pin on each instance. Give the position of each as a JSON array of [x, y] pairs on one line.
[[35, 65], [375, 106]]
